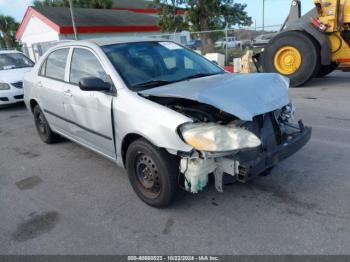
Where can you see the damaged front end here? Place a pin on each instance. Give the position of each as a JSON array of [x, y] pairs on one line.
[[228, 147], [239, 128]]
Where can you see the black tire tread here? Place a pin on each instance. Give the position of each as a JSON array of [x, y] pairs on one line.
[[309, 49], [169, 164], [51, 136]]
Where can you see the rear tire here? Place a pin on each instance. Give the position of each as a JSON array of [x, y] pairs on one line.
[[308, 51], [43, 128], [326, 70], [153, 173]]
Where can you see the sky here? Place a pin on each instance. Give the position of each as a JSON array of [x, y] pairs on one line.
[[275, 10]]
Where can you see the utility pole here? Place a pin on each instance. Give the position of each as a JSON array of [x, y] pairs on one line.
[[263, 17], [226, 49], [255, 27], [73, 20]]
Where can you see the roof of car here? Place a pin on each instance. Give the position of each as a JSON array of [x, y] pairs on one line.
[[110, 41], [119, 40]]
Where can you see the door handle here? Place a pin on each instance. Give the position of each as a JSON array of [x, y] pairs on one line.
[[40, 84], [67, 93]]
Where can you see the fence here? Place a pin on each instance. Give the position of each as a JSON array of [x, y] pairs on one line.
[[35, 51], [231, 43], [228, 43]]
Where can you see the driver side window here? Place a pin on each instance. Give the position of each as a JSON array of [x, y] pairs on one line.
[[85, 64]]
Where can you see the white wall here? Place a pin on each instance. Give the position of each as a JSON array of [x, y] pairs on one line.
[[37, 31]]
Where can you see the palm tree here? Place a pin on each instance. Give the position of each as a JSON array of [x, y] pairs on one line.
[[8, 28]]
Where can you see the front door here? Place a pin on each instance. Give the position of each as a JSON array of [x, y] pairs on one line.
[[89, 112]]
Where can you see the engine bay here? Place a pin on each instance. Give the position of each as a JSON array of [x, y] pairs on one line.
[[272, 128], [198, 112]]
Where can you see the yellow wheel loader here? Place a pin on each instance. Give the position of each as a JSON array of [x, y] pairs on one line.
[[312, 45]]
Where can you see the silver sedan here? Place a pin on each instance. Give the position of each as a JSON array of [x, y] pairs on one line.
[[165, 113]]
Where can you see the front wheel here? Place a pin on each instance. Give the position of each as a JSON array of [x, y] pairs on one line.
[[42, 126], [153, 173], [293, 54]]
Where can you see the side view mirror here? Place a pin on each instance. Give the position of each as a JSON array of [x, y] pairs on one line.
[[94, 84]]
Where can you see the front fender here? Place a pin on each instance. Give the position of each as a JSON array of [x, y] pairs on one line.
[[156, 123]]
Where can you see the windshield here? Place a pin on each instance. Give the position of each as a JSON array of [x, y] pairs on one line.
[[145, 65], [14, 60]]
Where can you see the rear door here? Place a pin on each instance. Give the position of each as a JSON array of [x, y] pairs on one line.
[[89, 112], [51, 84]]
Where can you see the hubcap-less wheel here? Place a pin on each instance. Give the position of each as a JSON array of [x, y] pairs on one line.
[[42, 126], [41, 123], [147, 173], [287, 60], [153, 172]]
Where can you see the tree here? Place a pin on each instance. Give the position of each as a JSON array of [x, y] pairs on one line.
[[169, 20], [202, 15], [98, 4], [205, 15], [8, 28]]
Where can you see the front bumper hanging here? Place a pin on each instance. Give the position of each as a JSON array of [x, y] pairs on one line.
[[268, 159]]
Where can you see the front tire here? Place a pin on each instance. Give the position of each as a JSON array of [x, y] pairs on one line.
[[42, 126], [153, 173], [293, 54]]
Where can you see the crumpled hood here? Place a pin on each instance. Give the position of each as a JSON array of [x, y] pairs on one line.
[[13, 75], [241, 95]]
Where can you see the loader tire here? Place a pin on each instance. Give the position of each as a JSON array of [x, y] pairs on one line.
[[326, 70], [293, 54]]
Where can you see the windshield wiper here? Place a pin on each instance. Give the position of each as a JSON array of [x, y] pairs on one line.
[[152, 83]]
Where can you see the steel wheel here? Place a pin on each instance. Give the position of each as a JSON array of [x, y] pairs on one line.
[[40, 122], [147, 176], [287, 60], [42, 126], [153, 172]]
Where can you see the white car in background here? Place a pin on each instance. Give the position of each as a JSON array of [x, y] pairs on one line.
[[13, 66], [230, 42]]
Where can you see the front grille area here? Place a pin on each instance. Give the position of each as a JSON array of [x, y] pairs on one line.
[[18, 97], [18, 85], [4, 99], [265, 128]]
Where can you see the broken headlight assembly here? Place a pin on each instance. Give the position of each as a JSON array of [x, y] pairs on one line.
[[211, 137]]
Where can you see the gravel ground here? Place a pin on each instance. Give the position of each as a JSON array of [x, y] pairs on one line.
[[64, 199]]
